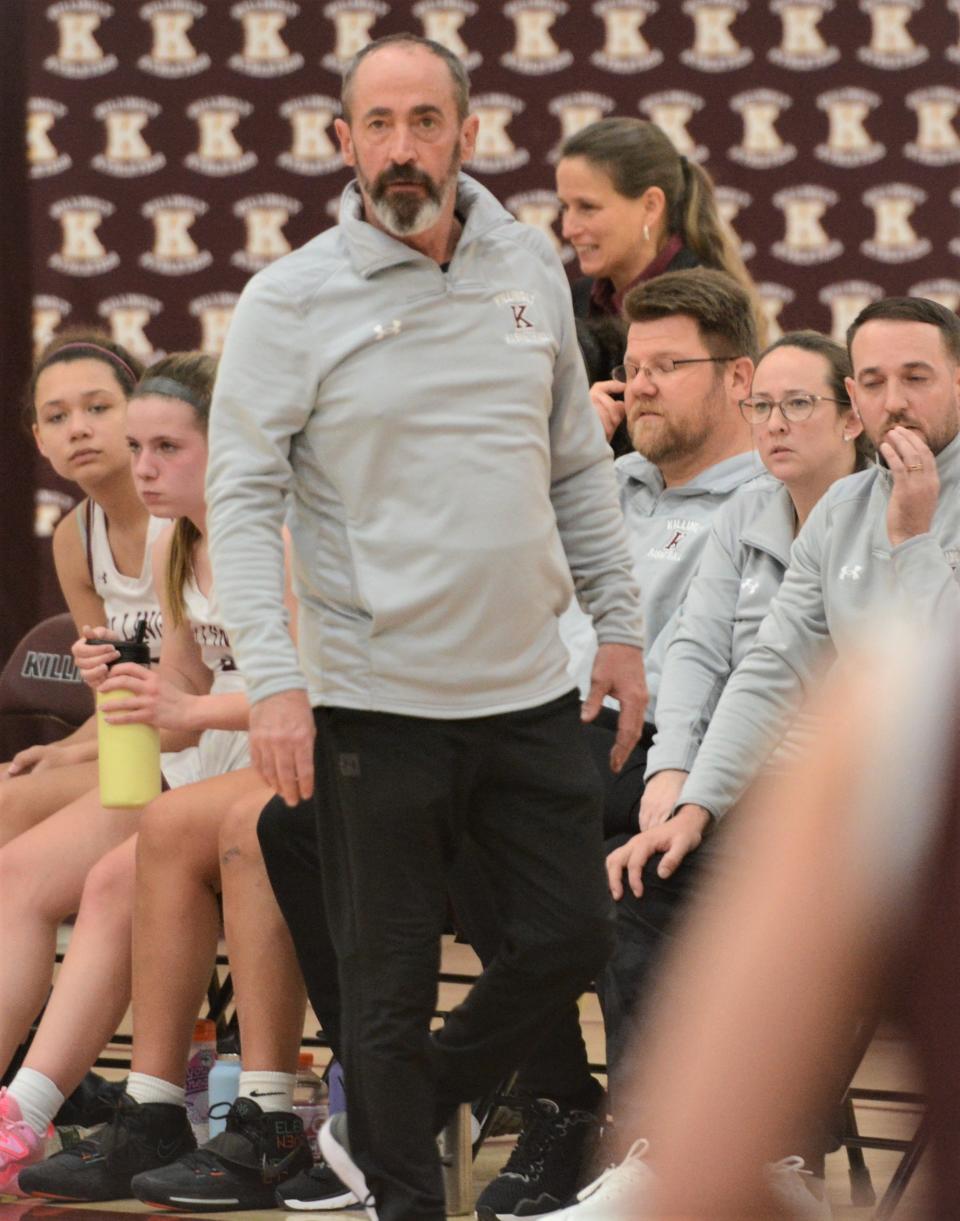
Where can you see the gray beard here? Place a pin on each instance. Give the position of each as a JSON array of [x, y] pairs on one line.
[[406, 217]]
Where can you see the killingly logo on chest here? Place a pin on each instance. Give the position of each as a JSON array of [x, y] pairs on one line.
[[522, 316], [678, 531]]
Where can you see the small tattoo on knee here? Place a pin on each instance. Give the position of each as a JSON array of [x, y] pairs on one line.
[[229, 855]]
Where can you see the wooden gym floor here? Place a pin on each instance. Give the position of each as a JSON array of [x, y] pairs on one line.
[[887, 1066]]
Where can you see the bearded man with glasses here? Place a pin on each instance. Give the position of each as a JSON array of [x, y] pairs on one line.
[[691, 347]]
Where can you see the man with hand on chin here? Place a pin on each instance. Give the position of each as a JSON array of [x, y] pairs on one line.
[[886, 539]]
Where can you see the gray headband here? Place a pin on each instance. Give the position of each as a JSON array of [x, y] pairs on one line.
[[170, 388]]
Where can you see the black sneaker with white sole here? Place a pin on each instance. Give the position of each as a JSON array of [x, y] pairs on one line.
[[140, 1137], [315, 1190], [240, 1168], [335, 1147], [543, 1171]]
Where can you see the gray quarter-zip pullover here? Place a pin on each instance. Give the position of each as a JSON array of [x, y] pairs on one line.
[[667, 529], [843, 574], [740, 570], [446, 467]]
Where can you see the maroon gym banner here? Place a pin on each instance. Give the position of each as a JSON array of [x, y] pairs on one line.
[[175, 146]]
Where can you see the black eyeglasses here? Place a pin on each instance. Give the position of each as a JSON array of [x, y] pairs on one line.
[[663, 366], [795, 407]]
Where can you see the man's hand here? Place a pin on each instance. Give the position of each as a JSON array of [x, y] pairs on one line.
[[916, 484], [281, 744], [660, 796], [618, 671], [674, 838], [610, 410]]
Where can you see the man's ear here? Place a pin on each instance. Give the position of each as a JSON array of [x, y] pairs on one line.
[[852, 425], [342, 128], [469, 131], [740, 372]]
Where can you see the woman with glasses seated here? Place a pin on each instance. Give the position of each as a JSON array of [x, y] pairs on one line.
[[633, 208], [807, 435]]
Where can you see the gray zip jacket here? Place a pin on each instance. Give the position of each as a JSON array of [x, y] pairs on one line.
[[740, 570], [667, 529], [843, 572], [446, 469]]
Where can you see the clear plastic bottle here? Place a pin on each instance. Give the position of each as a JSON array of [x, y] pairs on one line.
[[222, 1087], [203, 1055], [310, 1101]]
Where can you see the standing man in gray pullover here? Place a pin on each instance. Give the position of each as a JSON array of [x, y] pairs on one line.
[[411, 378]]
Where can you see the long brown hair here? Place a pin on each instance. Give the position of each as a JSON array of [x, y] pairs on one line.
[[187, 377], [636, 154]]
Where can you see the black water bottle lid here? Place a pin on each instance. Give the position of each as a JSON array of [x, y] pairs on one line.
[[131, 650], [136, 649]]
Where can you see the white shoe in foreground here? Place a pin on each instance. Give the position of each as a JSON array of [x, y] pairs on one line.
[[335, 1147], [617, 1195], [798, 1190]]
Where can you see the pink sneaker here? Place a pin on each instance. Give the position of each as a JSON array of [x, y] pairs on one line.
[[19, 1145]]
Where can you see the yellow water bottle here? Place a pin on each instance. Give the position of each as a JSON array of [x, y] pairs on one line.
[[129, 755]]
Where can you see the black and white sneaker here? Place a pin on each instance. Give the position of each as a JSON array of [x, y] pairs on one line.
[[240, 1168], [335, 1147], [542, 1172], [316, 1190], [141, 1136]]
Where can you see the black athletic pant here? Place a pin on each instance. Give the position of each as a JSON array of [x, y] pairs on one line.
[[558, 1067], [396, 797], [288, 840]]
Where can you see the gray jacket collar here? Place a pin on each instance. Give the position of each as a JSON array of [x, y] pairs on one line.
[[772, 529], [720, 478], [371, 250]]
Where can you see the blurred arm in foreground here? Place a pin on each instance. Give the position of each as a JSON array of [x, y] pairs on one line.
[[848, 899]]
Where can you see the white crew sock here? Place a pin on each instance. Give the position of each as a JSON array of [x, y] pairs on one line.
[[143, 1088], [37, 1097], [270, 1091]]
